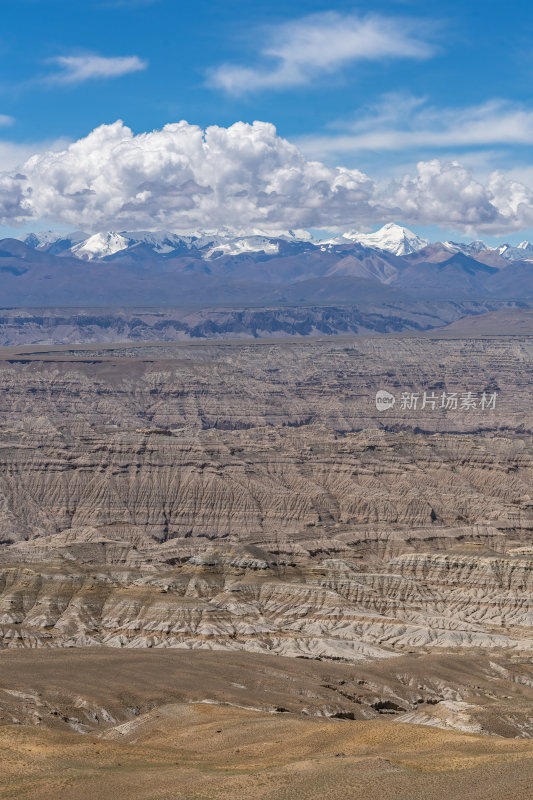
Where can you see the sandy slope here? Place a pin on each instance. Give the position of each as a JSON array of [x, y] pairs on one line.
[[182, 751]]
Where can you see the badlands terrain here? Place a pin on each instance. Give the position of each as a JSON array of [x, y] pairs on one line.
[[224, 572]]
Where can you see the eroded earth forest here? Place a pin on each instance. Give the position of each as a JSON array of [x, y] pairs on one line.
[[211, 551]]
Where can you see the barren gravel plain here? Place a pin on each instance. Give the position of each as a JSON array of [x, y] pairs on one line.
[[225, 573]]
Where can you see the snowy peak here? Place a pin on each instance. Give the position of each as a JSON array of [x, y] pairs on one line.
[[226, 242], [101, 245], [468, 248], [391, 237], [161, 242], [52, 242], [394, 239], [246, 244], [522, 252], [38, 240]]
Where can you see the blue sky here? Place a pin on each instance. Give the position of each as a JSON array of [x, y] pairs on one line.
[[416, 81]]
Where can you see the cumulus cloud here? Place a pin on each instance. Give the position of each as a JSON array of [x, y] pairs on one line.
[[77, 69], [242, 177], [298, 51], [449, 196], [183, 177], [12, 154]]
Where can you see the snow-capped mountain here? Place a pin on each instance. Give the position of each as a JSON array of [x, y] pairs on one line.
[[40, 239], [100, 245], [161, 242], [211, 245], [522, 251], [104, 244], [230, 243], [391, 237], [45, 240], [232, 267], [466, 247], [248, 244]]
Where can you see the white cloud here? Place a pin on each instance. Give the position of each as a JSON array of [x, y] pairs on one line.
[[183, 177], [297, 52], [449, 196], [12, 154], [6, 120], [77, 69], [402, 122], [243, 177]]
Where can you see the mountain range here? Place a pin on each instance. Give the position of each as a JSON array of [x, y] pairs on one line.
[[391, 238], [205, 269]]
